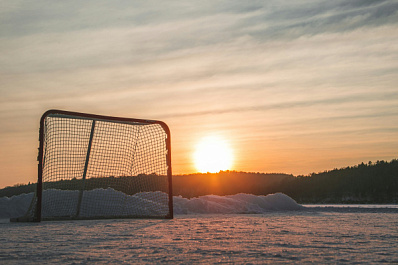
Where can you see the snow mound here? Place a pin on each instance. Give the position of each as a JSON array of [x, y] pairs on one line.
[[15, 206], [105, 202], [235, 204]]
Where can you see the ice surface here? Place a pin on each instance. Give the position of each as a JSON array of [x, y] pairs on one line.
[[288, 237], [113, 202], [201, 233]]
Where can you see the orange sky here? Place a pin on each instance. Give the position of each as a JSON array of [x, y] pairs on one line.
[[293, 88]]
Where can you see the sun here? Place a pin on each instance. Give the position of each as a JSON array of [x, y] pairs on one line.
[[212, 155]]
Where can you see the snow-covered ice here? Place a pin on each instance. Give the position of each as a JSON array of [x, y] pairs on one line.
[[273, 238], [236, 229]]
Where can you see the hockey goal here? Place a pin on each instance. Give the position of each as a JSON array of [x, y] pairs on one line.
[[93, 167]]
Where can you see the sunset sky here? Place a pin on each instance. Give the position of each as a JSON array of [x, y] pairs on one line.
[[292, 87]]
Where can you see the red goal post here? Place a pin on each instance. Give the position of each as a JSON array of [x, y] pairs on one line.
[[93, 166]]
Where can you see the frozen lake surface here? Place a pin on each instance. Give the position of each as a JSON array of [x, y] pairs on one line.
[[304, 236]]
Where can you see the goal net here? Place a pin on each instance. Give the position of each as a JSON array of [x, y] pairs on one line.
[[93, 167]]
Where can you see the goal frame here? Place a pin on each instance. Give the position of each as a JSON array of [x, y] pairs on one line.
[[96, 117]]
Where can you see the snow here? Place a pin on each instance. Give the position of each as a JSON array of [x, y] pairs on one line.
[[113, 202], [15, 206], [235, 204]]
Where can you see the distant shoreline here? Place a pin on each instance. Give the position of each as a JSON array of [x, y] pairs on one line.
[[371, 183]]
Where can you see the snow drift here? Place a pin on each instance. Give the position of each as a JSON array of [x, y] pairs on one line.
[[240, 203], [17, 206]]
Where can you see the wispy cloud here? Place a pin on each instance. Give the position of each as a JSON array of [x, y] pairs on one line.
[[389, 99]]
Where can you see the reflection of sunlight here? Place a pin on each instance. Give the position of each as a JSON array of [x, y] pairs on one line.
[[212, 155]]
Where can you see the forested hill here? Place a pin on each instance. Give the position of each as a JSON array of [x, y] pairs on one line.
[[228, 183], [364, 183]]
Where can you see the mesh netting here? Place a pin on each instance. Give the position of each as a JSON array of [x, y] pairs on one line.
[[97, 168]]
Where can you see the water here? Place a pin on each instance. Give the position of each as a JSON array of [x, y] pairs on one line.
[[311, 235]]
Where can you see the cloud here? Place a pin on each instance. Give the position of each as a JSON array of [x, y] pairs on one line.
[[388, 99]]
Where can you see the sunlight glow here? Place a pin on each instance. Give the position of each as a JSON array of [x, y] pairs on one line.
[[212, 155]]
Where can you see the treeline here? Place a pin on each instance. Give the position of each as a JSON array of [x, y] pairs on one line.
[[17, 190], [228, 183], [188, 186], [128, 184], [363, 183]]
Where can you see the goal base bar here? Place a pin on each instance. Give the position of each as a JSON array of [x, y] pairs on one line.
[[66, 218], [23, 219]]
